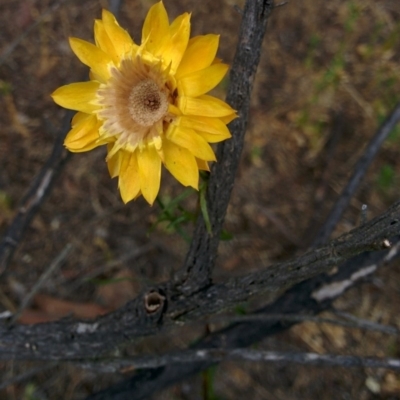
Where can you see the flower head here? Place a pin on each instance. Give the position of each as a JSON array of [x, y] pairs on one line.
[[148, 102]]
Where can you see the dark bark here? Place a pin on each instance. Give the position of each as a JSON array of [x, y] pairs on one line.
[[309, 297], [200, 259], [70, 339]]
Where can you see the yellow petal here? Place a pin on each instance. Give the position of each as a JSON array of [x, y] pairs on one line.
[[229, 118], [202, 165], [199, 54], [83, 136], [176, 46], [189, 139], [113, 163], [78, 117], [155, 30], [201, 82], [149, 164], [211, 138], [119, 37], [129, 177], [173, 109], [205, 124], [78, 96], [93, 57], [217, 61], [205, 105], [181, 163], [103, 41]]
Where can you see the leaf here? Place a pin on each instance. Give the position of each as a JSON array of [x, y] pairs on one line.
[[203, 207]]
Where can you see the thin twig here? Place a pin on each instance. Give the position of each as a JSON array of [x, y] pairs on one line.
[[359, 171], [355, 323], [365, 324], [115, 6], [40, 282], [128, 256], [37, 193], [218, 355], [284, 3], [26, 375], [322, 181]]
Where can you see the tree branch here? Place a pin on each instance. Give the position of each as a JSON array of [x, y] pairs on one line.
[[351, 322], [37, 193], [359, 171], [26, 375], [309, 297], [201, 256], [164, 305], [41, 281], [214, 356]]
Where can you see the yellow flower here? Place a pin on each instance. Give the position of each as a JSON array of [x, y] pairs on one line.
[[148, 103]]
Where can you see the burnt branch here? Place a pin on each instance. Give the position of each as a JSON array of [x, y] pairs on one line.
[[203, 250], [349, 321], [70, 339], [36, 195], [307, 298], [217, 355], [359, 171], [41, 281]]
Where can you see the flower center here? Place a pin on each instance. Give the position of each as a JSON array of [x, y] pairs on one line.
[[147, 104], [134, 104]]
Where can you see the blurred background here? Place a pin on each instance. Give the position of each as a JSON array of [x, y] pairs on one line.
[[329, 75]]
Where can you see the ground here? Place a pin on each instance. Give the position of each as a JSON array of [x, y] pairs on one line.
[[329, 74]]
